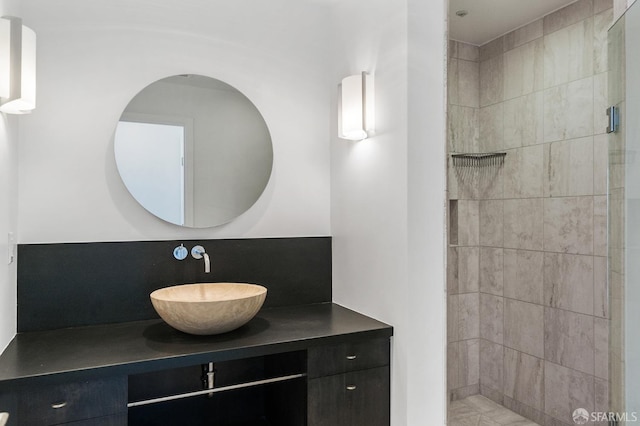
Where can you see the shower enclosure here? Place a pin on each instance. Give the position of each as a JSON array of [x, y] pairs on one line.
[[528, 296]]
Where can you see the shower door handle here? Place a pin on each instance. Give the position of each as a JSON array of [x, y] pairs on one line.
[[613, 119]]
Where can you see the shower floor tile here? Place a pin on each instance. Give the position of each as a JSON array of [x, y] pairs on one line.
[[477, 410]]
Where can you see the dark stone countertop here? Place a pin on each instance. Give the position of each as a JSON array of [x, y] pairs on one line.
[[82, 353]]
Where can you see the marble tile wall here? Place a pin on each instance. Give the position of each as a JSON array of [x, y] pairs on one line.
[[536, 228]]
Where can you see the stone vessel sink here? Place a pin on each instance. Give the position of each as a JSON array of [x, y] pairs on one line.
[[208, 308]]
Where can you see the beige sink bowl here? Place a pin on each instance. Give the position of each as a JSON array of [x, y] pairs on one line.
[[208, 308]]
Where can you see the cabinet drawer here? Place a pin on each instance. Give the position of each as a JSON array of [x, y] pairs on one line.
[[115, 420], [69, 402], [328, 360], [358, 398]]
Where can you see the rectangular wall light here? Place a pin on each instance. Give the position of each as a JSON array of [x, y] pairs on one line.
[[356, 107], [17, 67]]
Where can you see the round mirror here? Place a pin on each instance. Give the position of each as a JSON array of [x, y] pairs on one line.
[[193, 151]]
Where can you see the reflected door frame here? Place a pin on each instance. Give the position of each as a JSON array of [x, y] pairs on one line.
[[189, 149]]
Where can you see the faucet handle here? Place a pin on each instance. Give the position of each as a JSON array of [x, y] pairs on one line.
[[180, 252]]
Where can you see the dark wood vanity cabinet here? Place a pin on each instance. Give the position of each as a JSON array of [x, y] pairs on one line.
[[315, 365], [348, 384]]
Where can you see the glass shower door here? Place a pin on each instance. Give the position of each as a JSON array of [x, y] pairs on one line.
[[624, 217]]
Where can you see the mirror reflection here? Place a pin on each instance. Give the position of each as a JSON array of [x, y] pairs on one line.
[[193, 151]]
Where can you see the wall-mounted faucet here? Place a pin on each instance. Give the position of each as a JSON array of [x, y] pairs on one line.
[[198, 253]]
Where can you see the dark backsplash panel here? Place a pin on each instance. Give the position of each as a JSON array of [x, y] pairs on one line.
[[77, 284]]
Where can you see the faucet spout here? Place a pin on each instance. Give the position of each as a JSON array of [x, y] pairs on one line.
[[198, 252]]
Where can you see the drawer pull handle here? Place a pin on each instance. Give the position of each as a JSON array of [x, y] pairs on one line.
[[351, 357], [59, 405], [351, 387]]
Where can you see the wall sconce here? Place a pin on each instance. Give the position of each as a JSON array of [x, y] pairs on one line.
[[356, 107], [17, 67]]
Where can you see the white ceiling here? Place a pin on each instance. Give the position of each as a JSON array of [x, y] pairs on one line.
[[489, 19]]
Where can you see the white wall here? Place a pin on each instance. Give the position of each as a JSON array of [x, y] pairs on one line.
[[387, 194], [8, 207], [384, 196], [426, 212], [93, 57]]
